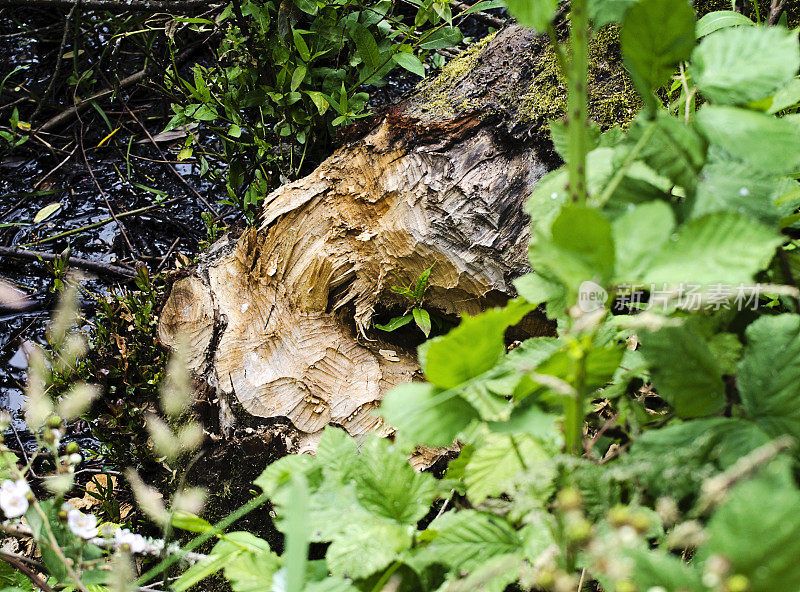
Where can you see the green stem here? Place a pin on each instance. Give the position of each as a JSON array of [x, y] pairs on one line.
[[573, 409], [577, 103], [217, 529]]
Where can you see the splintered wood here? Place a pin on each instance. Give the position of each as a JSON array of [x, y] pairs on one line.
[[279, 320]]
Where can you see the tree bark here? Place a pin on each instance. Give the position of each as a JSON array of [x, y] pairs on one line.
[[279, 321]]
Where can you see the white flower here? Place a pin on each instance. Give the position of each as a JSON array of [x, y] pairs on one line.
[[82, 525], [125, 538], [13, 498]]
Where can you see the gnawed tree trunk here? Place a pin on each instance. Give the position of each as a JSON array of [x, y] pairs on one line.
[[279, 321]]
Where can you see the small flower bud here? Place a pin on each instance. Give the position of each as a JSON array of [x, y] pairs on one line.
[[737, 583], [54, 422], [73, 448], [569, 499]]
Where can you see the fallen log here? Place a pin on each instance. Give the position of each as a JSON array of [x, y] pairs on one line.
[[279, 321]]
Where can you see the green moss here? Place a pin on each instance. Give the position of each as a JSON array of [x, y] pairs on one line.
[[612, 98], [435, 94]]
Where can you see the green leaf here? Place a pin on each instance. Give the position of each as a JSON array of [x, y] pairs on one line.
[[367, 47], [498, 464], [388, 487], [721, 247], [656, 569], [297, 77], [656, 35], [188, 521], [422, 319], [425, 415], [758, 532], [395, 323], [466, 539], [720, 19], [536, 14], [728, 186], [422, 283], [319, 101], [242, 553], [579, 249], [769, 374], [300, 44], [787, 96], [441, 38], [473, 347], [366, 546], [768, 143], [603, 12], [638, 236], [410, 62], [684, 371], [735, 66], [280, 472], [250, 569], [676, 459], [673, 149]]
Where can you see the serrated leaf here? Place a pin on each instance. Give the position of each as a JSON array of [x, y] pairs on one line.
[[728, 186], [721, 247], [769, 374], [473, 347], [738, 65], [579, 249], [673, 150], [388, 487], [758, 532], [684, 371], [426, 415], [46, 212], [366, 546], [466, 539], [410, 62], [536, 14], [770, 144], [656, 35], [720, 19], [496, 466]]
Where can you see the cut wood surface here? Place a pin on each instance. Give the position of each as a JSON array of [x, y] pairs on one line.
[[280, 320]]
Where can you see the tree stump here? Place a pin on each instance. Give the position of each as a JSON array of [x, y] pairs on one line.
[[279, 320]]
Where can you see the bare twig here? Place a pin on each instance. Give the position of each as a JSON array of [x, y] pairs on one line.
[[59, 59], [169, 165], [122, 271], [775, 11], [118, 5], [103, 194], [99, 223], [16, 562]]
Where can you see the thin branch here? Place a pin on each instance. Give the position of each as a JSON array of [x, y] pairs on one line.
[[15, 562], [121, 271], [775, 10], [117, 5]]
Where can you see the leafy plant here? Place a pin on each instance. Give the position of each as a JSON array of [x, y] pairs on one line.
[[415, 294], [287, 74]]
